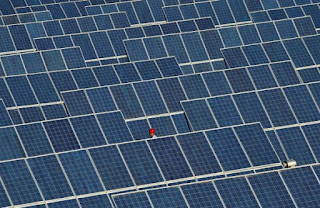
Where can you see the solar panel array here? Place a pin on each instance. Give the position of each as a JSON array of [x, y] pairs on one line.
[[232, 88]]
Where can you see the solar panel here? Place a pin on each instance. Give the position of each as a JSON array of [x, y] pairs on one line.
[[199, 153], [6, 120], [308, 185], [132, 200], [111, 169], [272, 187], [23, 189], [201, 195], [141, 163], [96, 201], [79, 162], [236, 192], [174, 166], [52, 177], [231, 88], [167, 197]]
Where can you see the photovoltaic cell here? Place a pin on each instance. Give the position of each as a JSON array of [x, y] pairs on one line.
[[270, 190], [50, 177], [139, 199], [256, 144], [230, 158], [170, 158], [170, 197], [236, 192], [201, 195], [61, 135], [11, 147], [199, 153], [100, 201], [34, 139], [111, 167], [19, 183], [88, 131], [303, 185], [80, 171], [114, 127], [299, 150], [141, 163]]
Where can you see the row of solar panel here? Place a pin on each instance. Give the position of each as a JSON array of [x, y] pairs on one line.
[[291, 188], [290, 12], [177, 2], [45, 88], [103, 22], [206, 45], [300, 143], [262, 5], [112, 40], [159, 93], [165, 124], [303, 52], [138, 12], [222, 12], [44, 61], [78, 103], [258, 5], [25, 18], [22, 3], [272, 107], [82, 24], [58, 10], [189, 11], [31, 113], [76, 9], [142, 163]]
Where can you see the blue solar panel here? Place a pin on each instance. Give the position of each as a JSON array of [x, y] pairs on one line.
[[50, 177], [201, 195], [299, 147], [133, 200], [236, 192], [21, 186], [11, 147], [111, 167], [81, 80], [77, 103], [233, 157], [80, 172], [170, 158], [150, 98], [199, 153], [167, 198], [127, 101], [4, 202], [34, 139], [6, 119], [303, 185], [101, 201], [61, 135], [225, 111], [141, 163], [270, 190], [114, 127], [199, 115], [256, 144], [88, 131]]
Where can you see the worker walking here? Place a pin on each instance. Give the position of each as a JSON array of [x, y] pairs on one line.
[[152, 133]]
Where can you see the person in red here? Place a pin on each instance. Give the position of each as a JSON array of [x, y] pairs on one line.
[[152, 133]]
